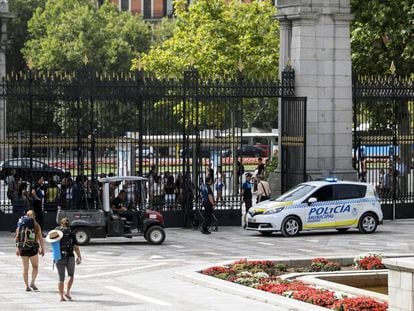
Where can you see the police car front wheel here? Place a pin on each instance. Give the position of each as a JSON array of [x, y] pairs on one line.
[[368, 223], [290, 226]]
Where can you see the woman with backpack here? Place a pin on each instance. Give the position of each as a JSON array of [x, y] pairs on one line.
[[28, 240], [68, 249]]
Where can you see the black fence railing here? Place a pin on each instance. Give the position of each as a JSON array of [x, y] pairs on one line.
[[85, 125], [383, 140]]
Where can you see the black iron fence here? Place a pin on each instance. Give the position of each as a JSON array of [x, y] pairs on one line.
[[293, 142], [383, 140], [85, 125]]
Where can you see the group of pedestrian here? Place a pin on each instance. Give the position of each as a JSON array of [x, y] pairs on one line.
[[392, 178], [40, 195], [30, 244], [167, 191], [254, 184]]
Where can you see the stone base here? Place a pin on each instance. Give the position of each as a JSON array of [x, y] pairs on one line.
[[400, 283], [275, 182]]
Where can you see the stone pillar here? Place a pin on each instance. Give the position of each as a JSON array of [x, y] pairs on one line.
[[5, 16], [320, 54], [285, 39], [400, 283]]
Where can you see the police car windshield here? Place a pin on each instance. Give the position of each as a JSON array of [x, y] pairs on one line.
[[295, 193]]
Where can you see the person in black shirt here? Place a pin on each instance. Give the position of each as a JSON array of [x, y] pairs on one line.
[[119, 207], [208, 204], [187, 198], [246, 195], [37, 194], [259, 172], [68, 248]]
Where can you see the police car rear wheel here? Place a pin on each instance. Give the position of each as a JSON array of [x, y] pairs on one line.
[[290, 226], [82, 236], [368, 223]]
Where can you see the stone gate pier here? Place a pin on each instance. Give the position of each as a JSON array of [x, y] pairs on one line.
[[315, 41]]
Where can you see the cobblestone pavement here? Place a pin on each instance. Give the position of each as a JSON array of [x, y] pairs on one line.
[[132, 275]]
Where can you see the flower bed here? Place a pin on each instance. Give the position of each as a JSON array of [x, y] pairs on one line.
[[264, 275], [369, 262]]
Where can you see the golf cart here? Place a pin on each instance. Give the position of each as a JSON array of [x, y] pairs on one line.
[[103, 222]]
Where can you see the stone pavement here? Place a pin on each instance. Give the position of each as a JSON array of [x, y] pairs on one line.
[[128, 274]]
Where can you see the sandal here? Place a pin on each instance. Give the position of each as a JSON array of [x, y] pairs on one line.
[[69, 297], [28, 289], [62, 299], [33, 287]]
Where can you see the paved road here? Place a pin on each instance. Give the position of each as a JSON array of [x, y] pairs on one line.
[[132, 275]]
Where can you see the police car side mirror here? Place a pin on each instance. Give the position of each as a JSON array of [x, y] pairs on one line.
[[312, 200]]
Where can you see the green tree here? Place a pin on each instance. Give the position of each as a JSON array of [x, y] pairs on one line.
[[218, 39], [163, 31], [382, 31], [17, 31], [65, 33]]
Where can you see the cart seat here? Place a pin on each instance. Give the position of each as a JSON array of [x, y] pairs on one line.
[[115, 216]]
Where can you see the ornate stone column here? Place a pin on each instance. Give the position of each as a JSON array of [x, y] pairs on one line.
[[320, 54]]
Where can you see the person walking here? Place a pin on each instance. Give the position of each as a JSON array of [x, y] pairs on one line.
[[247, 197], [68, 249], [29, 243], [220, 184], [259, 172], [12, 186], [208, 204], [187, 199], [263, 190], [37, 195]]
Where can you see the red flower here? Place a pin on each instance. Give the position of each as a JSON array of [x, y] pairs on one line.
[[319, 297], [359, 304], [323, 261], [371, 262], [212, 271]]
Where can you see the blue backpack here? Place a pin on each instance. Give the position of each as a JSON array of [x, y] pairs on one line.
[[25, 233]]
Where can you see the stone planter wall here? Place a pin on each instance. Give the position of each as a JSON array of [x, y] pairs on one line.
[[400, 283]]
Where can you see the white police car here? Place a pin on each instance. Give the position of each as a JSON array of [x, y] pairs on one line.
[[318, 205]]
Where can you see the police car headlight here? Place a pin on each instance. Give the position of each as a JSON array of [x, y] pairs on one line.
[[274, 210]]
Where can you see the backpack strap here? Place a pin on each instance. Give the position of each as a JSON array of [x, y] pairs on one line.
[[264, 189]]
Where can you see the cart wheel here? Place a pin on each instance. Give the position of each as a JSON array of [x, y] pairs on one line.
[[82, 235], [155, 235]]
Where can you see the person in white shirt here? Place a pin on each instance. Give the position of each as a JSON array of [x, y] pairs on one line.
[[263, 190]]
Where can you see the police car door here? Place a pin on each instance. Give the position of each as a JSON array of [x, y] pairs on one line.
[[349, 204], [320, 213]]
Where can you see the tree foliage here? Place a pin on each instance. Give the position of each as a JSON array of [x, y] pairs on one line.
[[382, 31], [218, 39], [17, 31], [66, 33], [163, 31]]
